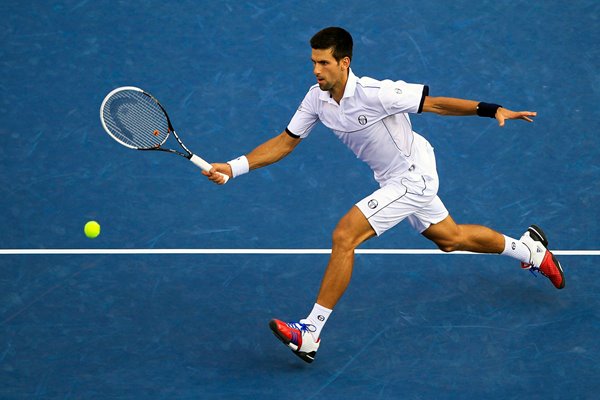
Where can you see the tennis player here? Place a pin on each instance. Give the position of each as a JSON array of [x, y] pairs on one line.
[[372, 118]]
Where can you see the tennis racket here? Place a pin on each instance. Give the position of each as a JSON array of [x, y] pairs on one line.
[[137, 120]]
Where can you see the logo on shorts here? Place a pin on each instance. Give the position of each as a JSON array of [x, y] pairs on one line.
[[321, 318], [514, 245], [362, 120], [398, 91], [372, 204]]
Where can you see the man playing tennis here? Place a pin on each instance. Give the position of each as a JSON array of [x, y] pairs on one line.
[[371, 117]]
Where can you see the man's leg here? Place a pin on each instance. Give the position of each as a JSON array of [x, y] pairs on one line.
[[449, 236], [303, 336], [531, 249], [352, 230]]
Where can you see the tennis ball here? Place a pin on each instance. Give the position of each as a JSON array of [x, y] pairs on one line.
[[91, 229]]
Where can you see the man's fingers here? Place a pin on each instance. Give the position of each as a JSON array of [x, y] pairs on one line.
[[503, 115], [212, 175], [217, 174]]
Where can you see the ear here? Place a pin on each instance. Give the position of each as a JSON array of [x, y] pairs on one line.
[[345, 62]]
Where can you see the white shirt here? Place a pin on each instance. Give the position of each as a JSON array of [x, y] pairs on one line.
[[372, 120]]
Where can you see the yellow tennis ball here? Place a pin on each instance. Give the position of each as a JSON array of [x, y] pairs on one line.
[[91, 229]]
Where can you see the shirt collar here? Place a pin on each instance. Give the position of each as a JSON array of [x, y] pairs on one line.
[[348, 90], [350, 84]]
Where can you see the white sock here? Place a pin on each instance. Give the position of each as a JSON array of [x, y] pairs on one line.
[[317, 317], [516, 249]]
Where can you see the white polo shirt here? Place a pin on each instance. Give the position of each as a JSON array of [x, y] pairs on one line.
[[372, 120]]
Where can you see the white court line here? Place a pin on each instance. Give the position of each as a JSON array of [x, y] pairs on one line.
[[259, 251]]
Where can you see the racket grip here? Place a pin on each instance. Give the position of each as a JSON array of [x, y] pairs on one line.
[[198, 161]]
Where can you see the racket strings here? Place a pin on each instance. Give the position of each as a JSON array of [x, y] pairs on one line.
[[136, 120]]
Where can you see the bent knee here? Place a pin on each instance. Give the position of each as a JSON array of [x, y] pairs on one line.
[[343, 237], [452, 242], [352, 230], [348, 236], [448, 246]]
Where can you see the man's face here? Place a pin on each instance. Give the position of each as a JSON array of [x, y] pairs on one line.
[[327, 70]]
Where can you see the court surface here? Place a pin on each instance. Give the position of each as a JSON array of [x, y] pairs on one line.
[[231, 74]]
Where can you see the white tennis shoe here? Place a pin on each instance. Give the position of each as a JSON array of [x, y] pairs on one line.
[[298, 337], [542, 260]]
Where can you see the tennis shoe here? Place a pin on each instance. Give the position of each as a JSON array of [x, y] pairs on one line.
[[298, 337], [542, 260]]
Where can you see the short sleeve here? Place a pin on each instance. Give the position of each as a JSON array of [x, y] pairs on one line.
[[401, 97], [305, 117]]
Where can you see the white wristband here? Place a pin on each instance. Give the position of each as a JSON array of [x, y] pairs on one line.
[[239, 166]]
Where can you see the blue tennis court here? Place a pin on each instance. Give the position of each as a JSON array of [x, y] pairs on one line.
[[231, 74]]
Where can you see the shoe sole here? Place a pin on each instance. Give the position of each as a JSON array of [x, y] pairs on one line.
[[307, 357], [538, 234], [562, 275]]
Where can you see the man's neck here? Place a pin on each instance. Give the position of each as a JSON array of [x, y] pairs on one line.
[[337, 92]]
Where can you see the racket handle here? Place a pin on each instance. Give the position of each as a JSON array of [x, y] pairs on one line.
[[205, 166]]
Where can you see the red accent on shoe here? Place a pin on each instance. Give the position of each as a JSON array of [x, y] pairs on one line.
[[287, 333], [552, 269]]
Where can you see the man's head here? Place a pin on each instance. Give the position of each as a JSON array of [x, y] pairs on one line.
[[331, 55], [337, 39]]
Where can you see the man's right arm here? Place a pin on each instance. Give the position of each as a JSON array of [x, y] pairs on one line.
[[272, 150], [265, 154]]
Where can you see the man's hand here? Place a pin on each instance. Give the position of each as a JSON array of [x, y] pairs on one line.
[[215, 177], [504, 113]]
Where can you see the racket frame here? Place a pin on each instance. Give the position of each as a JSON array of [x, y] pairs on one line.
[[198, 161]]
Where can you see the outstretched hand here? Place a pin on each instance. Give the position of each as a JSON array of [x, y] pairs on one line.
[[216, 177], [504, 113]]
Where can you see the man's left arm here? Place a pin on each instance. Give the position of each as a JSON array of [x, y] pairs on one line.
[[461, 107]]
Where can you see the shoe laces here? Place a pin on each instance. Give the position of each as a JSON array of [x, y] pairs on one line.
[[534, 269], [302, 327]]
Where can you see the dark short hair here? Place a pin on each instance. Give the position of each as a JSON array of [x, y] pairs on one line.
[[336, 38]]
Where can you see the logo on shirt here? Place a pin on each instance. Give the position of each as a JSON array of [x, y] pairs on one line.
[[362, 120], [372, 204]]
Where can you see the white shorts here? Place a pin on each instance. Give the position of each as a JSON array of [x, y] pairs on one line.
[[413, 197]]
